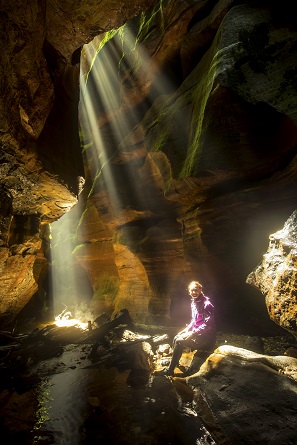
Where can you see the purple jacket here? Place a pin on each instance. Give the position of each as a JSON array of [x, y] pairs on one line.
[[202, 320]]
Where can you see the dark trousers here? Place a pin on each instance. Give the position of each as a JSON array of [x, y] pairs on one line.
[[202, 342]]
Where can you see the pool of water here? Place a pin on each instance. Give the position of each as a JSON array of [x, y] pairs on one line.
[[76, 404]]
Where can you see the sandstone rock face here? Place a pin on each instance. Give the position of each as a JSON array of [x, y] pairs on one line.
[[202, 156], [22, 265], [247, 398], [26, 88], [182, 120], [40, 159], [71, 24], [275, 277], [30, 195]]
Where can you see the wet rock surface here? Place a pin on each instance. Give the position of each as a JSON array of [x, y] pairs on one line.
[[104, 385], [84, 392]]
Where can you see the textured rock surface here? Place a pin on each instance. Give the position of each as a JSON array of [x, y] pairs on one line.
[[211, 157], [264, 56], [247, 398], [70, 24], [276, 277], [40, 156], [194, 109]]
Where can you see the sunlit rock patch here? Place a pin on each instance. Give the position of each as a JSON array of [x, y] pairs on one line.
[[246, 397], [207, 91], [114, 359], [276, 276]]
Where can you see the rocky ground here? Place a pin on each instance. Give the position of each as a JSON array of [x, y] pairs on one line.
[[103, 385]]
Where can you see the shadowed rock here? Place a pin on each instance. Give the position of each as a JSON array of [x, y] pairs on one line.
[[247, 398]]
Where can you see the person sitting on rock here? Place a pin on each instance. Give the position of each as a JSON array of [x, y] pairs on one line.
[[200, 333]]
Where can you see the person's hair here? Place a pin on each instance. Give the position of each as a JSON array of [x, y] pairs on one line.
[[194, 284]]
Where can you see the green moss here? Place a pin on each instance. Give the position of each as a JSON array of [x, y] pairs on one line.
[[174, 125], [177, 127], [199, 99], [106, 288], [148, 26], [107, 37], [160, 139], [164, 166], [81, 220], [97, 178], [86, 146], [77, 248], [152, 22]]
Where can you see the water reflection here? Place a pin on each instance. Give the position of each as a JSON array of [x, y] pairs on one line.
[[42, 414], [88, 405], [62, 408]]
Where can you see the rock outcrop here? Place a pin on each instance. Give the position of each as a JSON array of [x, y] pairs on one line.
[[187, 155], [275, 277], [245, 397], [206, 154], [41, 166]]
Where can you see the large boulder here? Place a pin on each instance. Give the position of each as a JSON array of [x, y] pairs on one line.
[[247, 398], [276, 276]]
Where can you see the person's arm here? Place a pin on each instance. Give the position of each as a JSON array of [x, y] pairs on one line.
[[185, 333], [208, 317], [188, 334]]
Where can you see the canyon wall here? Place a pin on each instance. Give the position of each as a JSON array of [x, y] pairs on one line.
[[174, 127]]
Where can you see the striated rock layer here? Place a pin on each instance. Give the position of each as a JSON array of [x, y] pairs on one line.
[[204, 155], [178, 119], [41, 167]]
